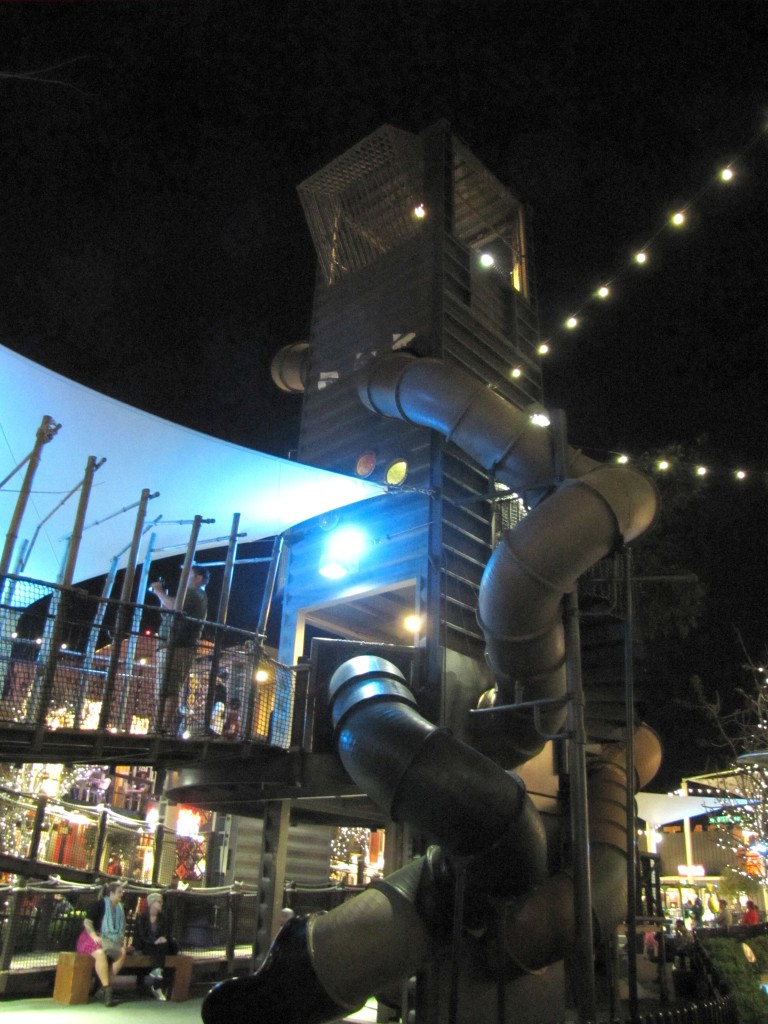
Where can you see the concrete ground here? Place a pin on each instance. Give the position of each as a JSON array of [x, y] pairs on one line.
[[132, 1007], [150, 1011]]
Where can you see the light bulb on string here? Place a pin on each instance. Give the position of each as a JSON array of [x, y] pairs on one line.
[[677, 219]]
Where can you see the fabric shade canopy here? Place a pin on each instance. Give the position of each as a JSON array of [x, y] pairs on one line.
[[658, 809], [194, 474]]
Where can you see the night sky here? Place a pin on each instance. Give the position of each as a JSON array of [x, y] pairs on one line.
[[153, 246]]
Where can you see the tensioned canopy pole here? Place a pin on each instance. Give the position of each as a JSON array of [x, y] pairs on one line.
[[45, 432], [121, 625], [59, 609], [226, 590]]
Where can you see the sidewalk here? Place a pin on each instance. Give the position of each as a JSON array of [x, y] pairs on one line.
[[45, 1011], [149, 1011]]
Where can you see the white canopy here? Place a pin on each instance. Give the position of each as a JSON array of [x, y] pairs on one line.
[[658, 809], [193, 473]]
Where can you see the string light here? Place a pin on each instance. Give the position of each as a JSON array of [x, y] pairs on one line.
[[711, 471], [725, 175]]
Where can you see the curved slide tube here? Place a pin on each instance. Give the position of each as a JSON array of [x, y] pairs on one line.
[[590, 514], [485, 824]]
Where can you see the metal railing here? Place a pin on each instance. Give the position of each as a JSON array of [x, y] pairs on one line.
[[74, 661], [39, 921]]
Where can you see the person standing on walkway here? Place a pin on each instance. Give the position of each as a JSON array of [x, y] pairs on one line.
[[178, 637]]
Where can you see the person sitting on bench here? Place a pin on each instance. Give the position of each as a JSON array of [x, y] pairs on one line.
[[151, 936], [103, 938]]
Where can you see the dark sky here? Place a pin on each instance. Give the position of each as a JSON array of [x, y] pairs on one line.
[[153, 245]]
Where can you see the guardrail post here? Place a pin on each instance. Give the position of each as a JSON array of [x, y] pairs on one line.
[[234, 906], [9, 932], [37, 827]]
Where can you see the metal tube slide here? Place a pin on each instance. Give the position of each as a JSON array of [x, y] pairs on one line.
[[390, 938], [486, 426], [540, 929], [589, 515], [423, 775]]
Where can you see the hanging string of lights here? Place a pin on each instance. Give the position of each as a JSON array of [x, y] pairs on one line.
[[668, 464], [725, 175]]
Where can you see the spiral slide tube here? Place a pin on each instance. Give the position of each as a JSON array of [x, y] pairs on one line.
[[481, 816], [597, 508]]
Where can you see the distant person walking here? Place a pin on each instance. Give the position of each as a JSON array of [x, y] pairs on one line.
[[697, 912], [725, 915], [178, 637], [751, 915]]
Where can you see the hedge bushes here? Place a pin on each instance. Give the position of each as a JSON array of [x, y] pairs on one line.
[[738, 975]]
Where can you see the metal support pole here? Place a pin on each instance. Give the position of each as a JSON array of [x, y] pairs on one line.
[[583, 956], [45, 432], [101, 839], [226, 590], [138, 608], [92, 642], [269, 586], [274, 850], [43, 686], [37, 828], [186, 569], [73, 545], [629, 697], [121, 628], [178, 608], [582, 959]]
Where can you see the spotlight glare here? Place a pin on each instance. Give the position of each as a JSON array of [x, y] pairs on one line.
[[641, 257], [726, 174], [603, 292], [486, 260], [571, 322], [678, 219], [543, 348]]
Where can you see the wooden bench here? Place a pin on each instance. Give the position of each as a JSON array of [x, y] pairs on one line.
[[74, 972]]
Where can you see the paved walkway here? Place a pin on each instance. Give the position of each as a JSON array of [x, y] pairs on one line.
[[45, 1011], [131, 1009]]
